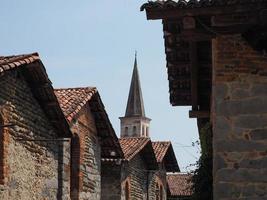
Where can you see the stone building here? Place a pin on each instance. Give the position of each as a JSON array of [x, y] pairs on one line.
[[167, 163], [216, 61], [179, 186], [138, 171], [142, 175], [32, 131], [93, 139]]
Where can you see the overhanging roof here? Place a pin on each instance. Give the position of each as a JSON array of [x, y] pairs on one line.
[[32, 68], [73, 100]]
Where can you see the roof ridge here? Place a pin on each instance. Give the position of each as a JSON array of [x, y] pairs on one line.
[[75, 88], [135, 137], [167, 141]]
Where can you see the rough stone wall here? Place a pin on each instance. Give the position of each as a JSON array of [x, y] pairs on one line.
[[157, 177], [32, 169], [89, 168], [110, 181], [136, 172], [239, 116]]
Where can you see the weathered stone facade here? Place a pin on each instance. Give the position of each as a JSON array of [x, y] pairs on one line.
[[93, 139], [111, 175], [239, 119], [137, 174], [88, 167], [31, 169]]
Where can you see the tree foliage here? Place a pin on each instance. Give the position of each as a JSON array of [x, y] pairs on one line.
[[202, 176]]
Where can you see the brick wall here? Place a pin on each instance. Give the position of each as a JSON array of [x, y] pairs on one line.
[[110, 181], [239, 116], [88, 154], [32, 169]]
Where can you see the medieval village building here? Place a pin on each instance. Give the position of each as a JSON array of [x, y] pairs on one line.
[[143, 173], [217, 63], [93, 139], [52, 141], [32, 132]]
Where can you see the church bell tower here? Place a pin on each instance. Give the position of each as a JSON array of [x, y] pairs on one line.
[[135, 123]]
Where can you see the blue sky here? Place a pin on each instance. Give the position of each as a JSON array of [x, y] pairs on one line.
[[92, 43]]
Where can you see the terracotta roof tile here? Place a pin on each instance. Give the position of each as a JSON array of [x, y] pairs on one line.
[[36, 76], [10, 62], [179, 184], [132, 146], [73, 99], [159, 4], [160, 149]]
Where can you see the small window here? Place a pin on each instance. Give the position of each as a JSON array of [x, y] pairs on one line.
[[147, 132], [134, 131], [126, 131]]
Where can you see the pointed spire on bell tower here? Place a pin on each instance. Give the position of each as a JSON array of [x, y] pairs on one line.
[[135, 123], [135, 104]]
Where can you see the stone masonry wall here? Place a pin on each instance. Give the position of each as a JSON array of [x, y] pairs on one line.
[[157, 177], [110, 181], [136, 172], [89, 154], [31, 168], [239, 117]]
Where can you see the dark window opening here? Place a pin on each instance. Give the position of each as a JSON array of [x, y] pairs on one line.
[[75, 166]]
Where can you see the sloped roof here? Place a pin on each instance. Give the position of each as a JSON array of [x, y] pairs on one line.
[[160, 149], [131, 146], [72, 100], [135, 104], [159, 4], [179, 184], [32, 68], [164, 153]]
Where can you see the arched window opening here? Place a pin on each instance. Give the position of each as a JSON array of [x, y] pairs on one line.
[[127, 190], [126, 131], [2, 156], [134, 131]]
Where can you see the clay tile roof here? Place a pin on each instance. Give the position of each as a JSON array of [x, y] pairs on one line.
[[159, 4], [132, 146], [11, 62], [73, 99], [164, 153], [160, 149], [35, 74], [179, 184]]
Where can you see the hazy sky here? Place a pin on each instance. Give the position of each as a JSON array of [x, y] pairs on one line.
[[92, 43]]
